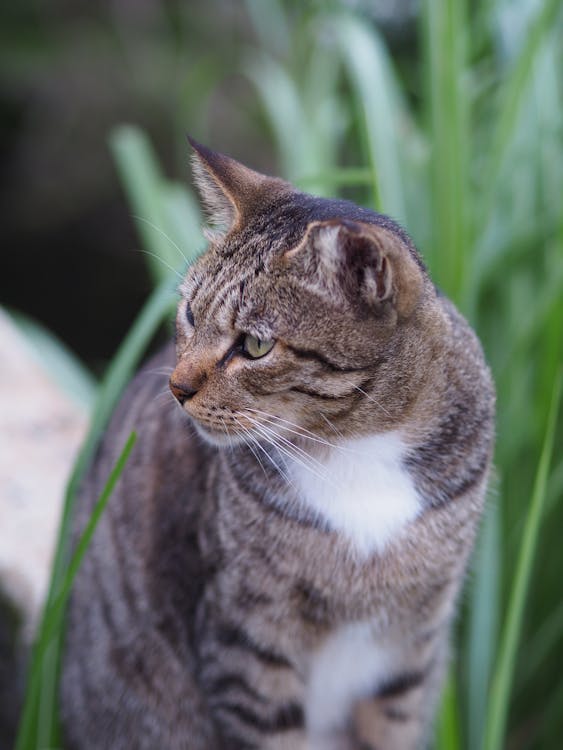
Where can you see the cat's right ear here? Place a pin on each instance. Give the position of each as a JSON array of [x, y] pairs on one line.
[[227, 188]]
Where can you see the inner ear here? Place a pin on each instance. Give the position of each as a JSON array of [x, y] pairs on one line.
[[350, 255], [370, 264], [365, 267]]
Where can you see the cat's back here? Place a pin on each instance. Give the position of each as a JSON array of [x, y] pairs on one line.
[[131, 611]]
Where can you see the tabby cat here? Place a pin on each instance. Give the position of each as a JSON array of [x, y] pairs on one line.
[[279, 564]]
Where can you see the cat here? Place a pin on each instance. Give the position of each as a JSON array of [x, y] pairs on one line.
[[279, 564]]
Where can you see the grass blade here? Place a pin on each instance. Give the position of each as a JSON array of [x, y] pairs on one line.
[[56, 608], [143, 182], [303, 148], [448, 736], [156, 204], [270, 23], [38, 731], [444, 35], [373, 82], [513, 92], [483, 623], [501, 686]]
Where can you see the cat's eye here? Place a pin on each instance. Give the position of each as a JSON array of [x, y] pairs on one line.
[[189, 314], [255, 348]]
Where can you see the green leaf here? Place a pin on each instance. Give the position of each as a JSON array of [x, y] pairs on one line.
[[375, 88], [513, 91], [448, 735], [157, 205], [484, 614], [444, 37], [37, 727]]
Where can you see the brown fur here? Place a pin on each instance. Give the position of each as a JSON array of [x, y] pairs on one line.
[[209, 587]]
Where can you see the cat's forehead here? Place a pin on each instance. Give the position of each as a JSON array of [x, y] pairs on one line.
[[246, 258]]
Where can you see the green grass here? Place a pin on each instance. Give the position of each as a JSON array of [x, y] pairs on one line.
[[464, 146]]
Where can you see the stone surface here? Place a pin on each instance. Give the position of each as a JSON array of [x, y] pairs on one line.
[[40, 432]]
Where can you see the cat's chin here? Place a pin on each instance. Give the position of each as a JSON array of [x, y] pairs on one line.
[[218, 438]]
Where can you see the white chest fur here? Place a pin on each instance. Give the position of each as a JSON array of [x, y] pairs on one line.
[[362, 490], [350, 665]]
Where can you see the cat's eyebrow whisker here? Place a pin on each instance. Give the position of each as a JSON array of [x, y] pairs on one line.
[[163, 234], [164, 263]]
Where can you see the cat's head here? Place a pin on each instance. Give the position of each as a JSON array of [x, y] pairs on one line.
[[303, 315]]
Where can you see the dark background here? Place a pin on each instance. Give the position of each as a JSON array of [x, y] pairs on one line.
[[71, 72]]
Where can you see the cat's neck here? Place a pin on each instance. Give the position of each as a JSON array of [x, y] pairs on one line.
[[358, 488]]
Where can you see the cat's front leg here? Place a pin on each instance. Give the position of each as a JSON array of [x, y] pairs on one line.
[[397, 716], [252, 688]]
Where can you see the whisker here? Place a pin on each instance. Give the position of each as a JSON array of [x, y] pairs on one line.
[[249, 446], [270, 458], [279, 453], [288, 444], [163, 234], [369, 397], [303, 431], [160, 371], [164, 263], [229, 438], [331, 425], [161, 394], [290, 450]]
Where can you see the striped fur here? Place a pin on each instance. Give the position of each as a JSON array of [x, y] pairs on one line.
[[279, 564]]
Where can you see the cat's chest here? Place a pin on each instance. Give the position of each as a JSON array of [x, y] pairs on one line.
[[360, 489], [352, 663]]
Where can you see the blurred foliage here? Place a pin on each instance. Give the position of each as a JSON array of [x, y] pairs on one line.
[[451, 122]]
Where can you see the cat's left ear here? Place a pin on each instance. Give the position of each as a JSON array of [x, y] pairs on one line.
[[369, 263], [228, 189]]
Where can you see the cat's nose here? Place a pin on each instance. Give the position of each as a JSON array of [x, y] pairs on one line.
[[181, 391]]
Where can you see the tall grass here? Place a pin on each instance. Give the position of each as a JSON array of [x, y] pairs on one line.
[[465, 149]]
